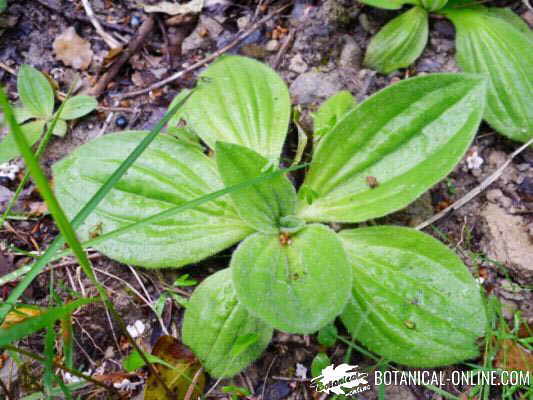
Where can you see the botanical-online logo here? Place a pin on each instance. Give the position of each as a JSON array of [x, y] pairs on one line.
[[343, 379]]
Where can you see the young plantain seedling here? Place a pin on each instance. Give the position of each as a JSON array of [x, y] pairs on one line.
[[400, 292], [37, 110], [491, 41]]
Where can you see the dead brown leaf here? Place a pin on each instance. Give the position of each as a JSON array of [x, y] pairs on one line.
[[73, 50], [20, 314], [186, 379], [513, 357]]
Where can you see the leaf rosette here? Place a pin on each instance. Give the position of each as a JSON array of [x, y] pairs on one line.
[[289, 272]]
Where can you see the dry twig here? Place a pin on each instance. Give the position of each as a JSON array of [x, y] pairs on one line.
[[477, 190], [240, 37], [69, 16], [110, 40], [132, 48]]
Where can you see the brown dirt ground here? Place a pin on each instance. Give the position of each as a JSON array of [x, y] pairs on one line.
[[343, 27]]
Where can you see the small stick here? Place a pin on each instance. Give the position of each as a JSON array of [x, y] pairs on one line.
[[240, 37], [9, 396], [477, 190], [83, 18], [74, 372], [132, 48], [283, 49], [8, 69], [193, 384], [110, 40]]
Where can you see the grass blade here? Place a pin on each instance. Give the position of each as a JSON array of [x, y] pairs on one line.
[[34, 324], [40, 150]]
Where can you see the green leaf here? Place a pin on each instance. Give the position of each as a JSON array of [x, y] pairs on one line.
[[180, 114], [261, 205], [327, 336], [166, 175], [78, 106], [413, 301], [134, 361], [510, 17], [488, 44], [406, 138], [320, 362], [297, 284], [61, 128], [399, 43], [243, 343], [8, 147], [433, 5], [3, 5], [388, 4], [34, 324], [214, 323], [332, 111], [242, 101], [22, 114], [35, 92]]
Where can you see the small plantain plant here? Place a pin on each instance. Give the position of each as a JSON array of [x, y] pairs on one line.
[[37, 110], [492, 41], [401, 293]]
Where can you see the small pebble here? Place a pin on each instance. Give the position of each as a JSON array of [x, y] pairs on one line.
[[121, 122], [272, 45], [135, 21]]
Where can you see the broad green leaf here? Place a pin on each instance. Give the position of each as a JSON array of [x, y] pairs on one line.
[[22, 114], [34, 324], [332, 111], [320, 362], [3, 5], [296, 284], [433, 5], [61, 128], [413, 301], [167, 174], [243, 343], [510, 17], [399, 43], [388, 4], [493, 46], [242, 101], [213, 323], [179, 115], [262, 205], [78, 106], [8, 147], [404, 139], [35, 92], [179, 370]]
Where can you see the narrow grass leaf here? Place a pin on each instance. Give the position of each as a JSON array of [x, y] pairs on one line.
[[34, 324]]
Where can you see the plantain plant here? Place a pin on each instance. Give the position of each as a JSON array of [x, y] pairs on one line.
[[492, 41], [401, 293], [37, 110]]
